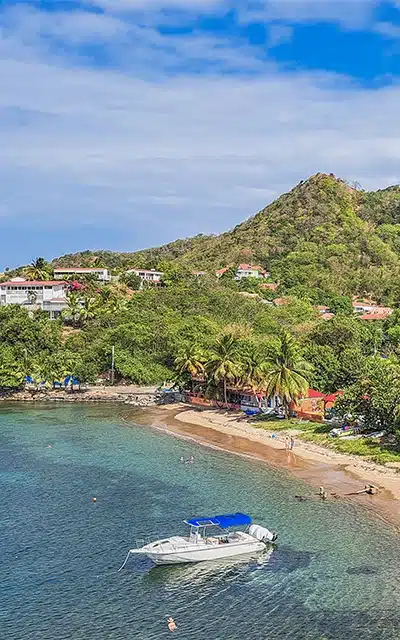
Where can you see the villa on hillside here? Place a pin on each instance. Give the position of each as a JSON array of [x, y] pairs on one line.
[[250, 271], [370, 310], [147, 275], [64, 272], [47, 295], [245, 271]]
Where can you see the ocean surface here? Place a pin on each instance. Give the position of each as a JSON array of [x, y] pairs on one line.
[[334, 575]]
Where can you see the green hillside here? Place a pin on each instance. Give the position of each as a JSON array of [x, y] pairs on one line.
[[322, 235]]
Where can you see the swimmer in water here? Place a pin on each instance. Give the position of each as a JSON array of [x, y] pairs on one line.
[[181, 459], [171, 624]]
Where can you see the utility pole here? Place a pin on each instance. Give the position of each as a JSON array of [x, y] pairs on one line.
[[112, 364]]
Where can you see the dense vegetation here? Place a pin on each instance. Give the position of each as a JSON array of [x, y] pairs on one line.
[[322, 242], [322, 239]]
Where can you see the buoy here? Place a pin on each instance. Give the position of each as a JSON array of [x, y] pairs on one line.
[[94, 499]]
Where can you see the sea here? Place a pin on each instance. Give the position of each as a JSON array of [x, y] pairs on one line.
[[333, 575]]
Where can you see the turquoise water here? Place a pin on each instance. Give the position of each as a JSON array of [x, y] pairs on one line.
[[334, 575]]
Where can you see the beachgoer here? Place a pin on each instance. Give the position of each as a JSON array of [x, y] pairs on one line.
[[291, 445], [171, 624], [287, 443], [321, 491], [181, 459]]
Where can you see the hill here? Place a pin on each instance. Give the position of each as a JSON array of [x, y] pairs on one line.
[[323, 235]]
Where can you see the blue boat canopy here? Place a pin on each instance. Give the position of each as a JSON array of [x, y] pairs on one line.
[[224, 521]]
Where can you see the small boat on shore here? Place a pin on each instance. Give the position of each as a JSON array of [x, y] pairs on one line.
[[210, 538]]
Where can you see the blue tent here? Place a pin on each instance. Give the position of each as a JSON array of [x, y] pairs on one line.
[[223, 521]]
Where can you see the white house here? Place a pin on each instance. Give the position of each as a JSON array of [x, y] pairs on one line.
[[147, 275], [101, 273], [250, 271], [48, 295]]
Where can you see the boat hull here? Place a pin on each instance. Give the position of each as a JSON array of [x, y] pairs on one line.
[[206, 554]]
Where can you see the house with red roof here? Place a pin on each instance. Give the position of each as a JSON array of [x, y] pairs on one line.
[[314, 405], [47, 295]]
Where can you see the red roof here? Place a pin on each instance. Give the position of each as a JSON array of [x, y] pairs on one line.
[[153, 271], [252, 267], [327, 316], [332, 397], [312, 393], [374, 316], [76, 269], [220, 272], [322, 307], [32, 283]]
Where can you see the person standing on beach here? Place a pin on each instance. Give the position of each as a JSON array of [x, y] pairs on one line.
[[287, 444], [291, 445]]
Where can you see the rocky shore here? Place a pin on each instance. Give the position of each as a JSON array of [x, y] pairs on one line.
[[131, 395]]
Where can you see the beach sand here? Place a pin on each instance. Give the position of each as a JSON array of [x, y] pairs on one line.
[[340, 474]]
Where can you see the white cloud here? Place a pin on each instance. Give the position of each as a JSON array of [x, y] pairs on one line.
[[348, 13], [196, 152], [170, 155]]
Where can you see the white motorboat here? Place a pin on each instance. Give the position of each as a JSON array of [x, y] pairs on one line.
[[203, 544]]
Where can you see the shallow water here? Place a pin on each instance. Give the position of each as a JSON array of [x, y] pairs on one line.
[[334, 575]]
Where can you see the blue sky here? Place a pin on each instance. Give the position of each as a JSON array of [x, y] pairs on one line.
[[130, 123]]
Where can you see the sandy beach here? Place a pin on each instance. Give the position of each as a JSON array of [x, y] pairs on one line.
[[340, 474]]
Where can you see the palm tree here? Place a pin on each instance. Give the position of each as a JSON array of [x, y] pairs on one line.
[[287, 372], [190, 359], [39, 269], [254, 371], [223, 363]]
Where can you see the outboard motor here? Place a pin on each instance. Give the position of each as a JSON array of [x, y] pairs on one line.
[[262, 534]]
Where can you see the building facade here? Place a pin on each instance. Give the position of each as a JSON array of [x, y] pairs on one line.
[[147, 275], [250, 271], [65, 272], [47, 295]]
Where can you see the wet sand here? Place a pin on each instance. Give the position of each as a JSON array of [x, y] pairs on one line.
[[339, 474]]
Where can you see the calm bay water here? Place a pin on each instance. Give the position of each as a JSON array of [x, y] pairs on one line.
[[335, 574]]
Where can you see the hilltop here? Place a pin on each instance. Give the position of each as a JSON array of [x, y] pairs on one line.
[[323, 234]]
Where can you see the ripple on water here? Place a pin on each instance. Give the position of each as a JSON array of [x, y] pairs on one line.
[[333, 575]]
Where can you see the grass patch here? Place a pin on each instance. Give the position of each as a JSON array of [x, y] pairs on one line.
[[318, 433], [282, 425]]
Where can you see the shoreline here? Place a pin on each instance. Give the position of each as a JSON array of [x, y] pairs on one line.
[[338, 473]]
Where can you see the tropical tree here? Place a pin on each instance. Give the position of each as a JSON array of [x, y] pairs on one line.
[[39, 269], [74, 310], [254, 371], [223, 364], [190, 360], [288, 372], [89, 308]]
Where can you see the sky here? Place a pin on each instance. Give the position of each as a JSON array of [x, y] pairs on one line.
[[126, 124]]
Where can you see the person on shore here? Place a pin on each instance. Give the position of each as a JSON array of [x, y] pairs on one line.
[[287, 444], [291, 444], [171, 624]]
